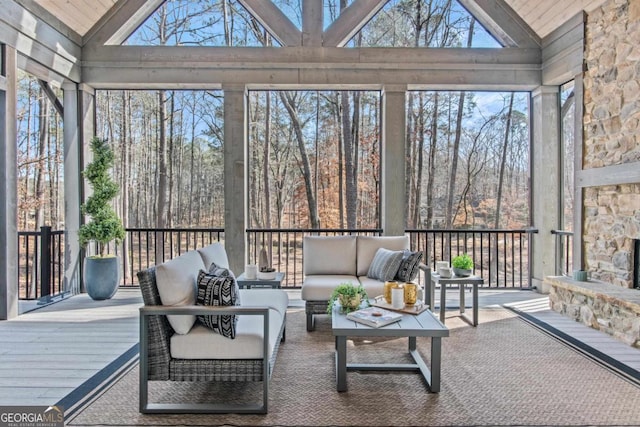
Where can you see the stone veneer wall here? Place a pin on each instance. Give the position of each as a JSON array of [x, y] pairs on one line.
[[602, 306], [612, 137]]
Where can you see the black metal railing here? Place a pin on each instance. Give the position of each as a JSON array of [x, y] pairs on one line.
[[564, 252], [501, 257], [40, 264], [145, 247], [284, 247]]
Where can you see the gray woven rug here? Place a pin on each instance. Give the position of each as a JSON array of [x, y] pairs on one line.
[[504, 372]]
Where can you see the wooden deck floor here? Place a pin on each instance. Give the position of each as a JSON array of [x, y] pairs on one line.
[[47, 353]]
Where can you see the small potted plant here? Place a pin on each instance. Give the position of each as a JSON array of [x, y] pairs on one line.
[[101, 271], [462, 265], [349, 296]]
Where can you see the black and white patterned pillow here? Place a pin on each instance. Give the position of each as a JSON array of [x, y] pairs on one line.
[[409, 266], [218, 290], [385, 264]]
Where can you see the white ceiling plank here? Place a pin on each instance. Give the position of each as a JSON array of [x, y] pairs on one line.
[[120, 22], [275, 21], [312, 22], [51, 19], [80, 15], [350, 21], [502, 22]]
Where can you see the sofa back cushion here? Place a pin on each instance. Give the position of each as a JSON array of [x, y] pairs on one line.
[[176, 280], [367, 246], [214, 253], [329, 255]]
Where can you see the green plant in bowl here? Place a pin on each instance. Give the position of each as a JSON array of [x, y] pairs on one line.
[[462, 265], [349, 296]]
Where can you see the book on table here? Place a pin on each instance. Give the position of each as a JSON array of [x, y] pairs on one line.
[[374, 316]]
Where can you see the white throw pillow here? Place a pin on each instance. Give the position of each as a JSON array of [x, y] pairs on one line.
[[176, 280]]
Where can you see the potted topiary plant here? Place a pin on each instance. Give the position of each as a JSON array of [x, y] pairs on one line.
[[101, 271], [462, 265], [349, 296]]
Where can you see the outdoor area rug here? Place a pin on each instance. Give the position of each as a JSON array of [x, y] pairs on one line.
[[504, 372]]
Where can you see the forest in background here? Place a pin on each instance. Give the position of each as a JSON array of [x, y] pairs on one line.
[[314, 156]]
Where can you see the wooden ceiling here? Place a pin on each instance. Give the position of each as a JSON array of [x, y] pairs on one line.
[[543, 16]]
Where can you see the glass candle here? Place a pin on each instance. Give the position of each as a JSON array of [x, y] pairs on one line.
[[387, 290], [410, 293]]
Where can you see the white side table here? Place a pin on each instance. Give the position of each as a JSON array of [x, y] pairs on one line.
[[475, 281], [245, 283]]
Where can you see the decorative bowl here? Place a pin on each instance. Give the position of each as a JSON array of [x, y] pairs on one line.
[[267, 275], [461, 272]]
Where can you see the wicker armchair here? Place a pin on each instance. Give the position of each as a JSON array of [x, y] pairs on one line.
[[157, 364]]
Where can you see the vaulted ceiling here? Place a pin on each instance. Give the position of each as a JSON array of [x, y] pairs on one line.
[[543, 16]]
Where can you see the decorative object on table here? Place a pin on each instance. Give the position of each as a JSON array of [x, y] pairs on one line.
[[462, 265], [251, 271], [388, 285], [374, 316], [580, 275], [349, 296], [397, 297], [263, 260], [417, 308], [441, 264], [445, 272], [101, 271], [410, 293]]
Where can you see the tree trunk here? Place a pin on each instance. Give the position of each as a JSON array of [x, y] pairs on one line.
[[289, 104], [265, 161], [349, 162], [161, 201], [505, 147], [432, 163]]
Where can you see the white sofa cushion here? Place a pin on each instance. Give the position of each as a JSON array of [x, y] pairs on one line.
[[373, 287], [176, 280], [203, 343], [367, 246], [319, 287], [329, 255], [273, 298], [214, 253]]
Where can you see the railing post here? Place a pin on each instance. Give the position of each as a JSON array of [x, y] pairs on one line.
[[45, 262]]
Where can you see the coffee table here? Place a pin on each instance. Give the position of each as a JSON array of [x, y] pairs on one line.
[[425, 324]]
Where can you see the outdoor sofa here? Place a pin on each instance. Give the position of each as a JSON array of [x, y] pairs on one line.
[[182, 348], [329, 261]]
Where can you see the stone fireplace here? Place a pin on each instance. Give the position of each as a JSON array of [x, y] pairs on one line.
[[610, 229]]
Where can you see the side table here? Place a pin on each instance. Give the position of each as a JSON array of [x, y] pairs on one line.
[[245, 283], [475, 281]]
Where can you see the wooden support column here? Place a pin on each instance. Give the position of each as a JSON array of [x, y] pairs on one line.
[[393, 207], [9, 189], [546, 191], [79, 125], [235, 184]]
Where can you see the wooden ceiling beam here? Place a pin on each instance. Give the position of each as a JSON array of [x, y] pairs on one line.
[[135, 66], [497, 17], [34, 38], [312, 22], [350, 21], [275, 21], [120, 22]]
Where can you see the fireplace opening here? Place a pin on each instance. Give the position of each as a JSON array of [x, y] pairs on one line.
[[636, 263]]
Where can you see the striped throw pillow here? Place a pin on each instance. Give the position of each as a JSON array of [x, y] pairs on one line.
[[215, 290]]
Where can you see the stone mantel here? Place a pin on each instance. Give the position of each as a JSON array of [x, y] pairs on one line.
[[602, 306]]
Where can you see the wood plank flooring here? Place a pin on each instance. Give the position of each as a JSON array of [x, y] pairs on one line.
[[47, 353]]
